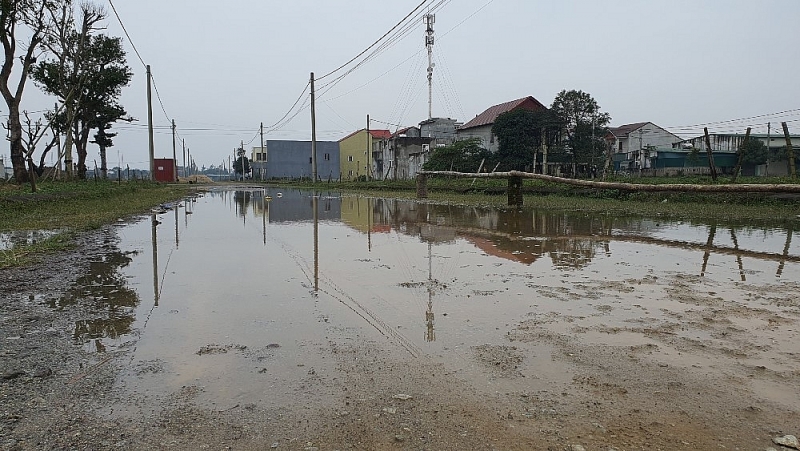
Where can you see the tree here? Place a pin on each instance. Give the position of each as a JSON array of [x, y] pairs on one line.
[[520, 133], [754, 151], [39, 18], [242, 164], [461, 156], [101, 71], [584, 124]]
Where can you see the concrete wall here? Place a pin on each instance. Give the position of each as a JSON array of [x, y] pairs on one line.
[[484, 133]]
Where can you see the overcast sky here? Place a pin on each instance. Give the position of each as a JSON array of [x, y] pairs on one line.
[[221, 68]]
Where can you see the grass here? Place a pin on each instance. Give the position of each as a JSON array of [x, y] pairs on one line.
[[72, 207]]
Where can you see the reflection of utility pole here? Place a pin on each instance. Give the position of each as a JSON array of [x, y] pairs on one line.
[[738, 256], [154, 242], [177, 238], [711, 233], [314, 205], [786, 249], [429, 317]]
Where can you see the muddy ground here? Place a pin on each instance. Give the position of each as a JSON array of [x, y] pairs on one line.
[[649, 386]]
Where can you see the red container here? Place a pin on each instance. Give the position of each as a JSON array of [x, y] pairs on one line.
[[164, 169]]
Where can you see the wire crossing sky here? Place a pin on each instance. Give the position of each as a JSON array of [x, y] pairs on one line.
[[221, 72]]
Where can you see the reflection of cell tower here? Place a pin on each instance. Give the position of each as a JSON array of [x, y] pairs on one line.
[[429, 21], [429, 334]]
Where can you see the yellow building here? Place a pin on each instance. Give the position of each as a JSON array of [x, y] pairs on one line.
[[362, 156]]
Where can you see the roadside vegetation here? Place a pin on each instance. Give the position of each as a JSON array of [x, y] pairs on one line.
[[69, 208]]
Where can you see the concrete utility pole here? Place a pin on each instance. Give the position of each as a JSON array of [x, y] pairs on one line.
[[263, 150], [429, 21], [150, 125], [174, 156], [313, 133], [183, 144], [368, 169], [711, 166]]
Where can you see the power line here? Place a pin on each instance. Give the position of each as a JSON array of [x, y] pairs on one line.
[[126, 33], [376, 42]]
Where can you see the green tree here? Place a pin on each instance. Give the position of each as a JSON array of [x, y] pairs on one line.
[[584, 125], [521, 134], [242, 164], [96, 64], [754, 152], [461, 156]]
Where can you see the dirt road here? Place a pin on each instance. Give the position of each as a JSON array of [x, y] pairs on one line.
[[722, 372]]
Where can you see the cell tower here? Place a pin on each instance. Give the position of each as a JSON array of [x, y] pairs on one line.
[[429, 21]]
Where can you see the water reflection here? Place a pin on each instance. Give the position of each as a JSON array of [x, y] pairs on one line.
[[106, 289]]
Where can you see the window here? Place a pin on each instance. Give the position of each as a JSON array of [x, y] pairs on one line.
[[350, 158], [327, 157], [350, 173], [491, 138], [620, 146], [309, 160]]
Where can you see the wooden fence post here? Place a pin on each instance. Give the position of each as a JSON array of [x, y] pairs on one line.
[[789, 151], [515, 191], [422, 186]]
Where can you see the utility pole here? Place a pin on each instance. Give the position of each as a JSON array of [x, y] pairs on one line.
[[768, 142], [429, 21], [150, 124], [189, 157], [263, 150], [183, 144], [368, 170], [313, 133], [174, 156]]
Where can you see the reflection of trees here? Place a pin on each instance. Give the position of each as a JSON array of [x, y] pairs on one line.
[[242, 200], [106, 290]]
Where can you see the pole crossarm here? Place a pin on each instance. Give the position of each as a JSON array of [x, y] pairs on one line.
[[666, 187]]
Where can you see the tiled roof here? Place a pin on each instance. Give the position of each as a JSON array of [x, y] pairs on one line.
[[488, 117], [623, 130], [380, 134]]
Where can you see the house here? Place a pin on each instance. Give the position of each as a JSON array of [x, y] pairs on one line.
[[362, 153], [481, 126], [292, 159], [3, 173], [441, 130], [406, 153], [634, 140], [730, 142]]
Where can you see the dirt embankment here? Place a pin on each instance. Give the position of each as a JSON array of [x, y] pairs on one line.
[[618, 396]]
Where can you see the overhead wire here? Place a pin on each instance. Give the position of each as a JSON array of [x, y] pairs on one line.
[[376, 42]]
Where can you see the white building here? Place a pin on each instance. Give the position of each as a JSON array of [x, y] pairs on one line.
[[634, 140]]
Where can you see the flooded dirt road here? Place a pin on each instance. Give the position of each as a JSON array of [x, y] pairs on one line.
[[273, 318]]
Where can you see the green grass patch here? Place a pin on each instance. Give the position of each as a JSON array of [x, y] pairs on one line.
[[73, 207]]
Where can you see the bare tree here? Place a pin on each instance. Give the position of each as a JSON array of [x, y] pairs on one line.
[[32, 18]]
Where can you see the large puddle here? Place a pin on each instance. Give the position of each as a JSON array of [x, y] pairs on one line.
[[241, 293]]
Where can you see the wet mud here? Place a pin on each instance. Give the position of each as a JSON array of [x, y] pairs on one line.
[[257, 319]]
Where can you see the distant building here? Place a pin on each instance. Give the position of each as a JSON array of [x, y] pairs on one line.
[[481, 126], [361, 155], [441, 130], [292, 160], [406, 153], [3, 173], [730, 142], [634, 140]]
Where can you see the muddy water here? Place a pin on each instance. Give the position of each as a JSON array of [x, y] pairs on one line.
[[240, 295]]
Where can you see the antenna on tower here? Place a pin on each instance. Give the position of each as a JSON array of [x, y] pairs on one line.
[[430, 19]]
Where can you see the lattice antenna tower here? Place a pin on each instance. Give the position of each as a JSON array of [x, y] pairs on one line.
[[429, 20]]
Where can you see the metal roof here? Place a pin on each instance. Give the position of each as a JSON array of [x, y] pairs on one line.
[[490, 115]]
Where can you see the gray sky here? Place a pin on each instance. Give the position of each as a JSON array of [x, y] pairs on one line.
[[221, 68]]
